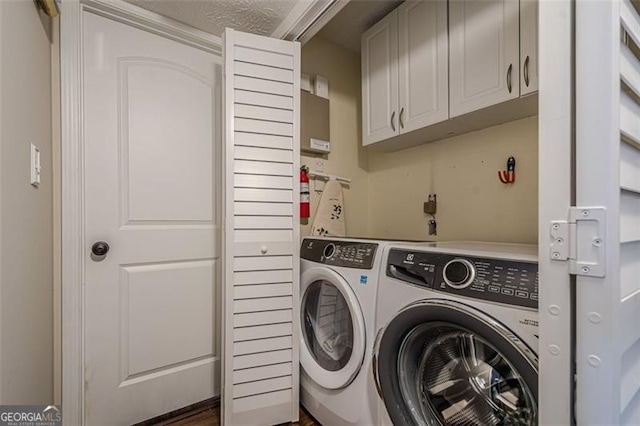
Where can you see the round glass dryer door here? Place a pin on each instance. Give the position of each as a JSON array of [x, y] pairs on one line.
[[332, 343], [443, 364]]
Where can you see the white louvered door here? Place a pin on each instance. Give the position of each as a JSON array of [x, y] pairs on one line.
[[608, 175], [261, 248]]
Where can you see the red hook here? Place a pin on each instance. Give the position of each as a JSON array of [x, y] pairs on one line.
[[508, 176]]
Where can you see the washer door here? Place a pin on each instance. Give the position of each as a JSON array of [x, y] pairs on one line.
[[332, 343], [444, 363]]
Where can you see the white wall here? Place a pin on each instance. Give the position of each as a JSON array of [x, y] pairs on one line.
[[26, 373]]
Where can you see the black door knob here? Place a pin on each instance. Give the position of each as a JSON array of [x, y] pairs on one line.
[[100, 248]]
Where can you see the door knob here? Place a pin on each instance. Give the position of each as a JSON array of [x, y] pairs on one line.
[[100, 248]]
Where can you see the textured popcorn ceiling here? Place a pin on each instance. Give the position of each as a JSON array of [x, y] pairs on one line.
[[253, 16], [358, 16]]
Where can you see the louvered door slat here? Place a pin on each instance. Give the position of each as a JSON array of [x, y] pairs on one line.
[[262, 71], [261, 312], [263, 331], [262, 373], [263, 113], [264, 141], [262, 99], [257, 360], [262, 290], [607, 171]]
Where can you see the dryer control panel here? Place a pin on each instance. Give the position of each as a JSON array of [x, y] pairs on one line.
[[342, 253], [496, 280]]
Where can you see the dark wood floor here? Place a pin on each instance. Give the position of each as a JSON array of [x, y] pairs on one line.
[[211, 417]]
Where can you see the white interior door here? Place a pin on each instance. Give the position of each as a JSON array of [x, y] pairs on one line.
[[483, 54], [151, 132], [261, 247], [608, 176], [423, 64]]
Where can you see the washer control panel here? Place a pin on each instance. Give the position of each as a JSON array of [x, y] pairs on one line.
[[344, 254], [496, 280]]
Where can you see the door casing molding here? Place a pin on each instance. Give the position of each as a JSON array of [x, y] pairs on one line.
[[72, 171]]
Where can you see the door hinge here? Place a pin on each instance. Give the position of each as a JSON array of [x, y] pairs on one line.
[[581, 241]]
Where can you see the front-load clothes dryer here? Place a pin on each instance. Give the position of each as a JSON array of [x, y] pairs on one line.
[[338, 291], [458, 336]]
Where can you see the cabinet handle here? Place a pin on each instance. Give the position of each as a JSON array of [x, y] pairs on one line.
[[400, 118], [393, 126], [509, 77], [526, 71]]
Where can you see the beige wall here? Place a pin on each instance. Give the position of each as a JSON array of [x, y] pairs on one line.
[[385, 200], [462, 171], [26, 372], [347, 157]]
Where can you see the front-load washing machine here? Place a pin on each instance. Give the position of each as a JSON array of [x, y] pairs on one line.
[[458, 336], [338, 291]]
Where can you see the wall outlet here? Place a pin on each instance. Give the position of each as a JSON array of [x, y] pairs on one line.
[[318, 164]]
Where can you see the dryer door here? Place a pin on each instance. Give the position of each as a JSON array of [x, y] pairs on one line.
[[332, 343], [444, 363]]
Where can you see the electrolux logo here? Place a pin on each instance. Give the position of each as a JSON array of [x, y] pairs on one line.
[[30, 415]]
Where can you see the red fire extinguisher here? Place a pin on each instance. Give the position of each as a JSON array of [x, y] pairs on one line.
[[304, 192]]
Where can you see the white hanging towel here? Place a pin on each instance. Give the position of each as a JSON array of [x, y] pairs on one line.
[[329, 218]]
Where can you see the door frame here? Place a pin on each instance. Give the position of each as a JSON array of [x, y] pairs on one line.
[[72, 170], [556, 194]]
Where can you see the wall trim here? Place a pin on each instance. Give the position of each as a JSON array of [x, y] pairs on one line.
[[72, 172], [306, 19]]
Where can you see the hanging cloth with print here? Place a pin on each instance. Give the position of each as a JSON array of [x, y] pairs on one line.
[[329, 219]]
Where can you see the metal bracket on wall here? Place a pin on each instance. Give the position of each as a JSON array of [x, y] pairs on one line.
[[581, 241]]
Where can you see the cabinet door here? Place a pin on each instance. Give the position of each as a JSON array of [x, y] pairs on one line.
[[528, 46], [380, 80], [423, 64], [484, 57]]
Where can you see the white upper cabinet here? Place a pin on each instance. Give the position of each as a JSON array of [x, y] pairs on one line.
[[484, 54], [380, 80], [429, 61], [528, 46], [422, 64]]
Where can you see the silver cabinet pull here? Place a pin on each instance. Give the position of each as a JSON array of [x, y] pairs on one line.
[[393, 126], [400, 118], [509, 77], [526, 71]]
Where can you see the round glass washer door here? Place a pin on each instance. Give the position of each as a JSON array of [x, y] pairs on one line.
[[444, 364], [332, 339]]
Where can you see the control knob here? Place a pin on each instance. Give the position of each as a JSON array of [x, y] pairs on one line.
[[459, 273], [329, 250]]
